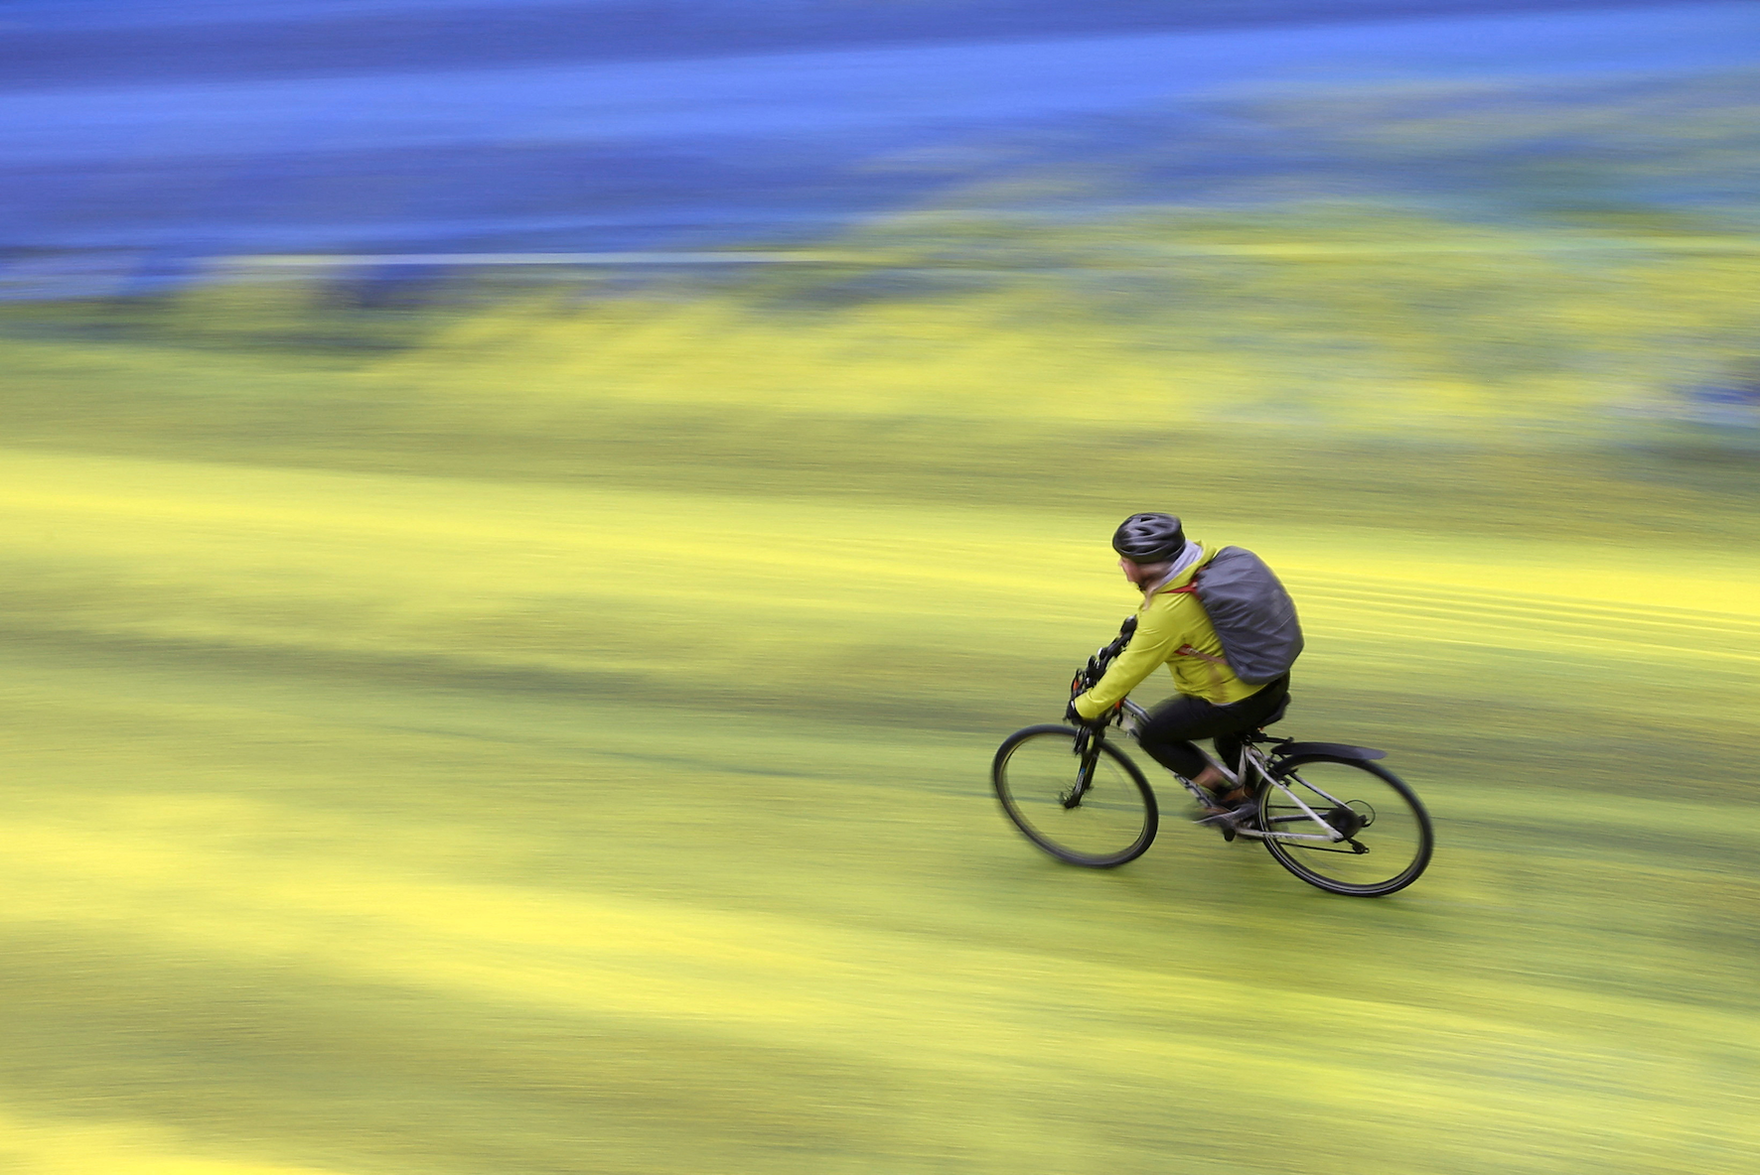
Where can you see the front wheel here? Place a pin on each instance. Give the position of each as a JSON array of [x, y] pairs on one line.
[[1096, 811], [1383, 833]]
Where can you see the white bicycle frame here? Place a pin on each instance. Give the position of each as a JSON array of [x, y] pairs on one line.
[[1252, 761]]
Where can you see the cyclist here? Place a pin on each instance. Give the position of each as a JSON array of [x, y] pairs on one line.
[[1173, 630]]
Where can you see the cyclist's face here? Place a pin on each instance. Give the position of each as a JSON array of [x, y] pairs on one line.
[[1131, 571]]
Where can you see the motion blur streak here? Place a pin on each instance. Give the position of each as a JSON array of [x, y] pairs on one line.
[[525, 523]]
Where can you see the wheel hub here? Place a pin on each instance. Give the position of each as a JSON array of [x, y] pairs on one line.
[[1346, 821]]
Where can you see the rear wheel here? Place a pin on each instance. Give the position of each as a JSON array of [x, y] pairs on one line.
[[1384, 833], [1102, 820]]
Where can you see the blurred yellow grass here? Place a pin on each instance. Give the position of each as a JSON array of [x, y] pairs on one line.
[[491, 758], [80, 1147], [977, 1013], [530, 574], [1318, 315]]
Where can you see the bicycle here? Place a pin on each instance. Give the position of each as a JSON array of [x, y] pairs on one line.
[[1327, 812]]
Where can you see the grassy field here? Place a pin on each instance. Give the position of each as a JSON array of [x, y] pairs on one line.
[[554, 740]]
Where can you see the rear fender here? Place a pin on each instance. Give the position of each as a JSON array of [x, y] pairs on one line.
[[1293, 755]]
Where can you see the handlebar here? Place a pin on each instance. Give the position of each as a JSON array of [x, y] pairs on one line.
[[1090, 674]]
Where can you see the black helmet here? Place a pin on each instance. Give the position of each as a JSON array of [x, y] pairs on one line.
[[1149, 538]]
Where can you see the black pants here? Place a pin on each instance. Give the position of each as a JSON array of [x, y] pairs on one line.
[[1174, 723]]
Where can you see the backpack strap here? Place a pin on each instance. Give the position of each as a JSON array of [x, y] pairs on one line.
[[1191, 589], [1215, 664]]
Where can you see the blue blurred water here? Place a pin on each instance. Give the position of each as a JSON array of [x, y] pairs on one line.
[[152, 133]]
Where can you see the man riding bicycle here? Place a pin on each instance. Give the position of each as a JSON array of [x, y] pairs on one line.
[[1174, 630]]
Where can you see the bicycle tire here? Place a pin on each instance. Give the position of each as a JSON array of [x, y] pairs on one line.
[[1404, 836], [1114, 822]]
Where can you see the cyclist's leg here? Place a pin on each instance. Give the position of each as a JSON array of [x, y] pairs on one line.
[[1167, 736], [1263, 707]]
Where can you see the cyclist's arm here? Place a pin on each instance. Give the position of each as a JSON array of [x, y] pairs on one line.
[[1155, 640]]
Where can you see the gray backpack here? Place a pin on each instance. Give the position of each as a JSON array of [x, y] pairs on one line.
[[1251, 612]]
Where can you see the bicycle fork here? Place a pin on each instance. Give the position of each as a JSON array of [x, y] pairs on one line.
[[1087, 750]]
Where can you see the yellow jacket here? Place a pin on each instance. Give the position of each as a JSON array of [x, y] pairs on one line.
[[1172, 630]]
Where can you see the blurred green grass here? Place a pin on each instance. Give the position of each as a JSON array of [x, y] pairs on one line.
[[552, 736]]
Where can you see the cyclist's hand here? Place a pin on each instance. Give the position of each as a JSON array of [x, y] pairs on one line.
[[1072, 715]]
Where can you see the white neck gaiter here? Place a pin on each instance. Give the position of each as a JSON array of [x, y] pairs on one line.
[[1192, 553]]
